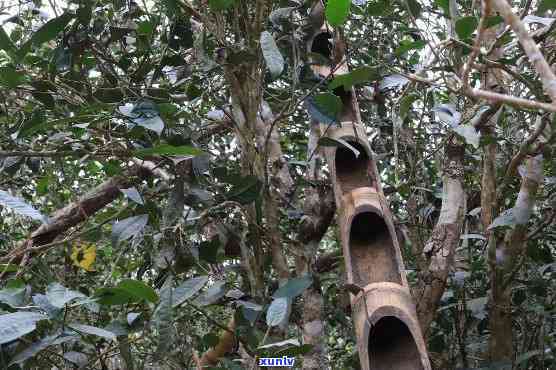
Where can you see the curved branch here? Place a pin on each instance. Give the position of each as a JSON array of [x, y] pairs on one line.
[[529, 46], [80, 210]]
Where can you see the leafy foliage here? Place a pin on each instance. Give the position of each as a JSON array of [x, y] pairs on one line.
[[138, 135], [337, 11]]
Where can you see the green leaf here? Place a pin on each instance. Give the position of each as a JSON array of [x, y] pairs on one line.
[[41, 345], [138, 289], [444, 5], [337, 11], [448, 114], [125, 229], [357, 76], [38, 123], [8, 267], [246, 190], [167, 149], [295, 351], [293, 287], [78, 358], [84, 12], [154, 123], [19, 206], [93, 330], [283, 343], [212, 295], [329, 104], [208, 250], [210, 340], [14, 293], [51, 29], [545, 5], [62, 59], [113, 296], [46, 33], [407, 45], [45, 98], [188, 289], [44, 304], [477, 306], [473, 236], [17, 324], [394, 81], [469, 133], [109, 95], [505, 219], [171, 7], [328, 141], [465, 27], [221, 4], [533, 171], [324, 108], [378, 8], [11, 77], [414, 7], [405, 104], [319, 113], [272, 56], [493, 20], [58, 295], [133, 194], [281, 15], [278, 312], [163, 319], [6, 43]]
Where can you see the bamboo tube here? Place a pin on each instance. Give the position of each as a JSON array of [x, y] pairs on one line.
[[388, 333]]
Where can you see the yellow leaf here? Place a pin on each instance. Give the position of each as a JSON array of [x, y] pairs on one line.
[[84, 256]]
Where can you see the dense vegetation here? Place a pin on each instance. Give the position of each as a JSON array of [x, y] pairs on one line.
[[164, 204]]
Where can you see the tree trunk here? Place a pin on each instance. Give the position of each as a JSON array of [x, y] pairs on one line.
[[440, 248], [318, 213]]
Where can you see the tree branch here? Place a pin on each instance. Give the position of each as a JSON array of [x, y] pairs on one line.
[[476, 45], [79, 211], [529, 46]]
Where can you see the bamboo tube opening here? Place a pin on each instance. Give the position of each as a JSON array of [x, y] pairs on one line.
[[392, 346], [322, 44], [372, 251], [353, 172]]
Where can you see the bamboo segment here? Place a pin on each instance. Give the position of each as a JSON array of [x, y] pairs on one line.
[[388, 334]]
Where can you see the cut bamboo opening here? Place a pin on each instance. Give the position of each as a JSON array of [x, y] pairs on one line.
[[388, 334], [392, 347], [352, 172], [372, 251]]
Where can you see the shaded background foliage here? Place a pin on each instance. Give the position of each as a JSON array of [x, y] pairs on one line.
[[136, 93]]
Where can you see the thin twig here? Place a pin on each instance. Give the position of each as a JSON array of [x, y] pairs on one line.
[[476, 49]]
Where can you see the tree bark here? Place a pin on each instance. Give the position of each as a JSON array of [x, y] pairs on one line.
[[440, 248], [319, 208], [507, 254]]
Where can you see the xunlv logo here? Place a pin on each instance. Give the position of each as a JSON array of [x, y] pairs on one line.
[[276, 361]]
